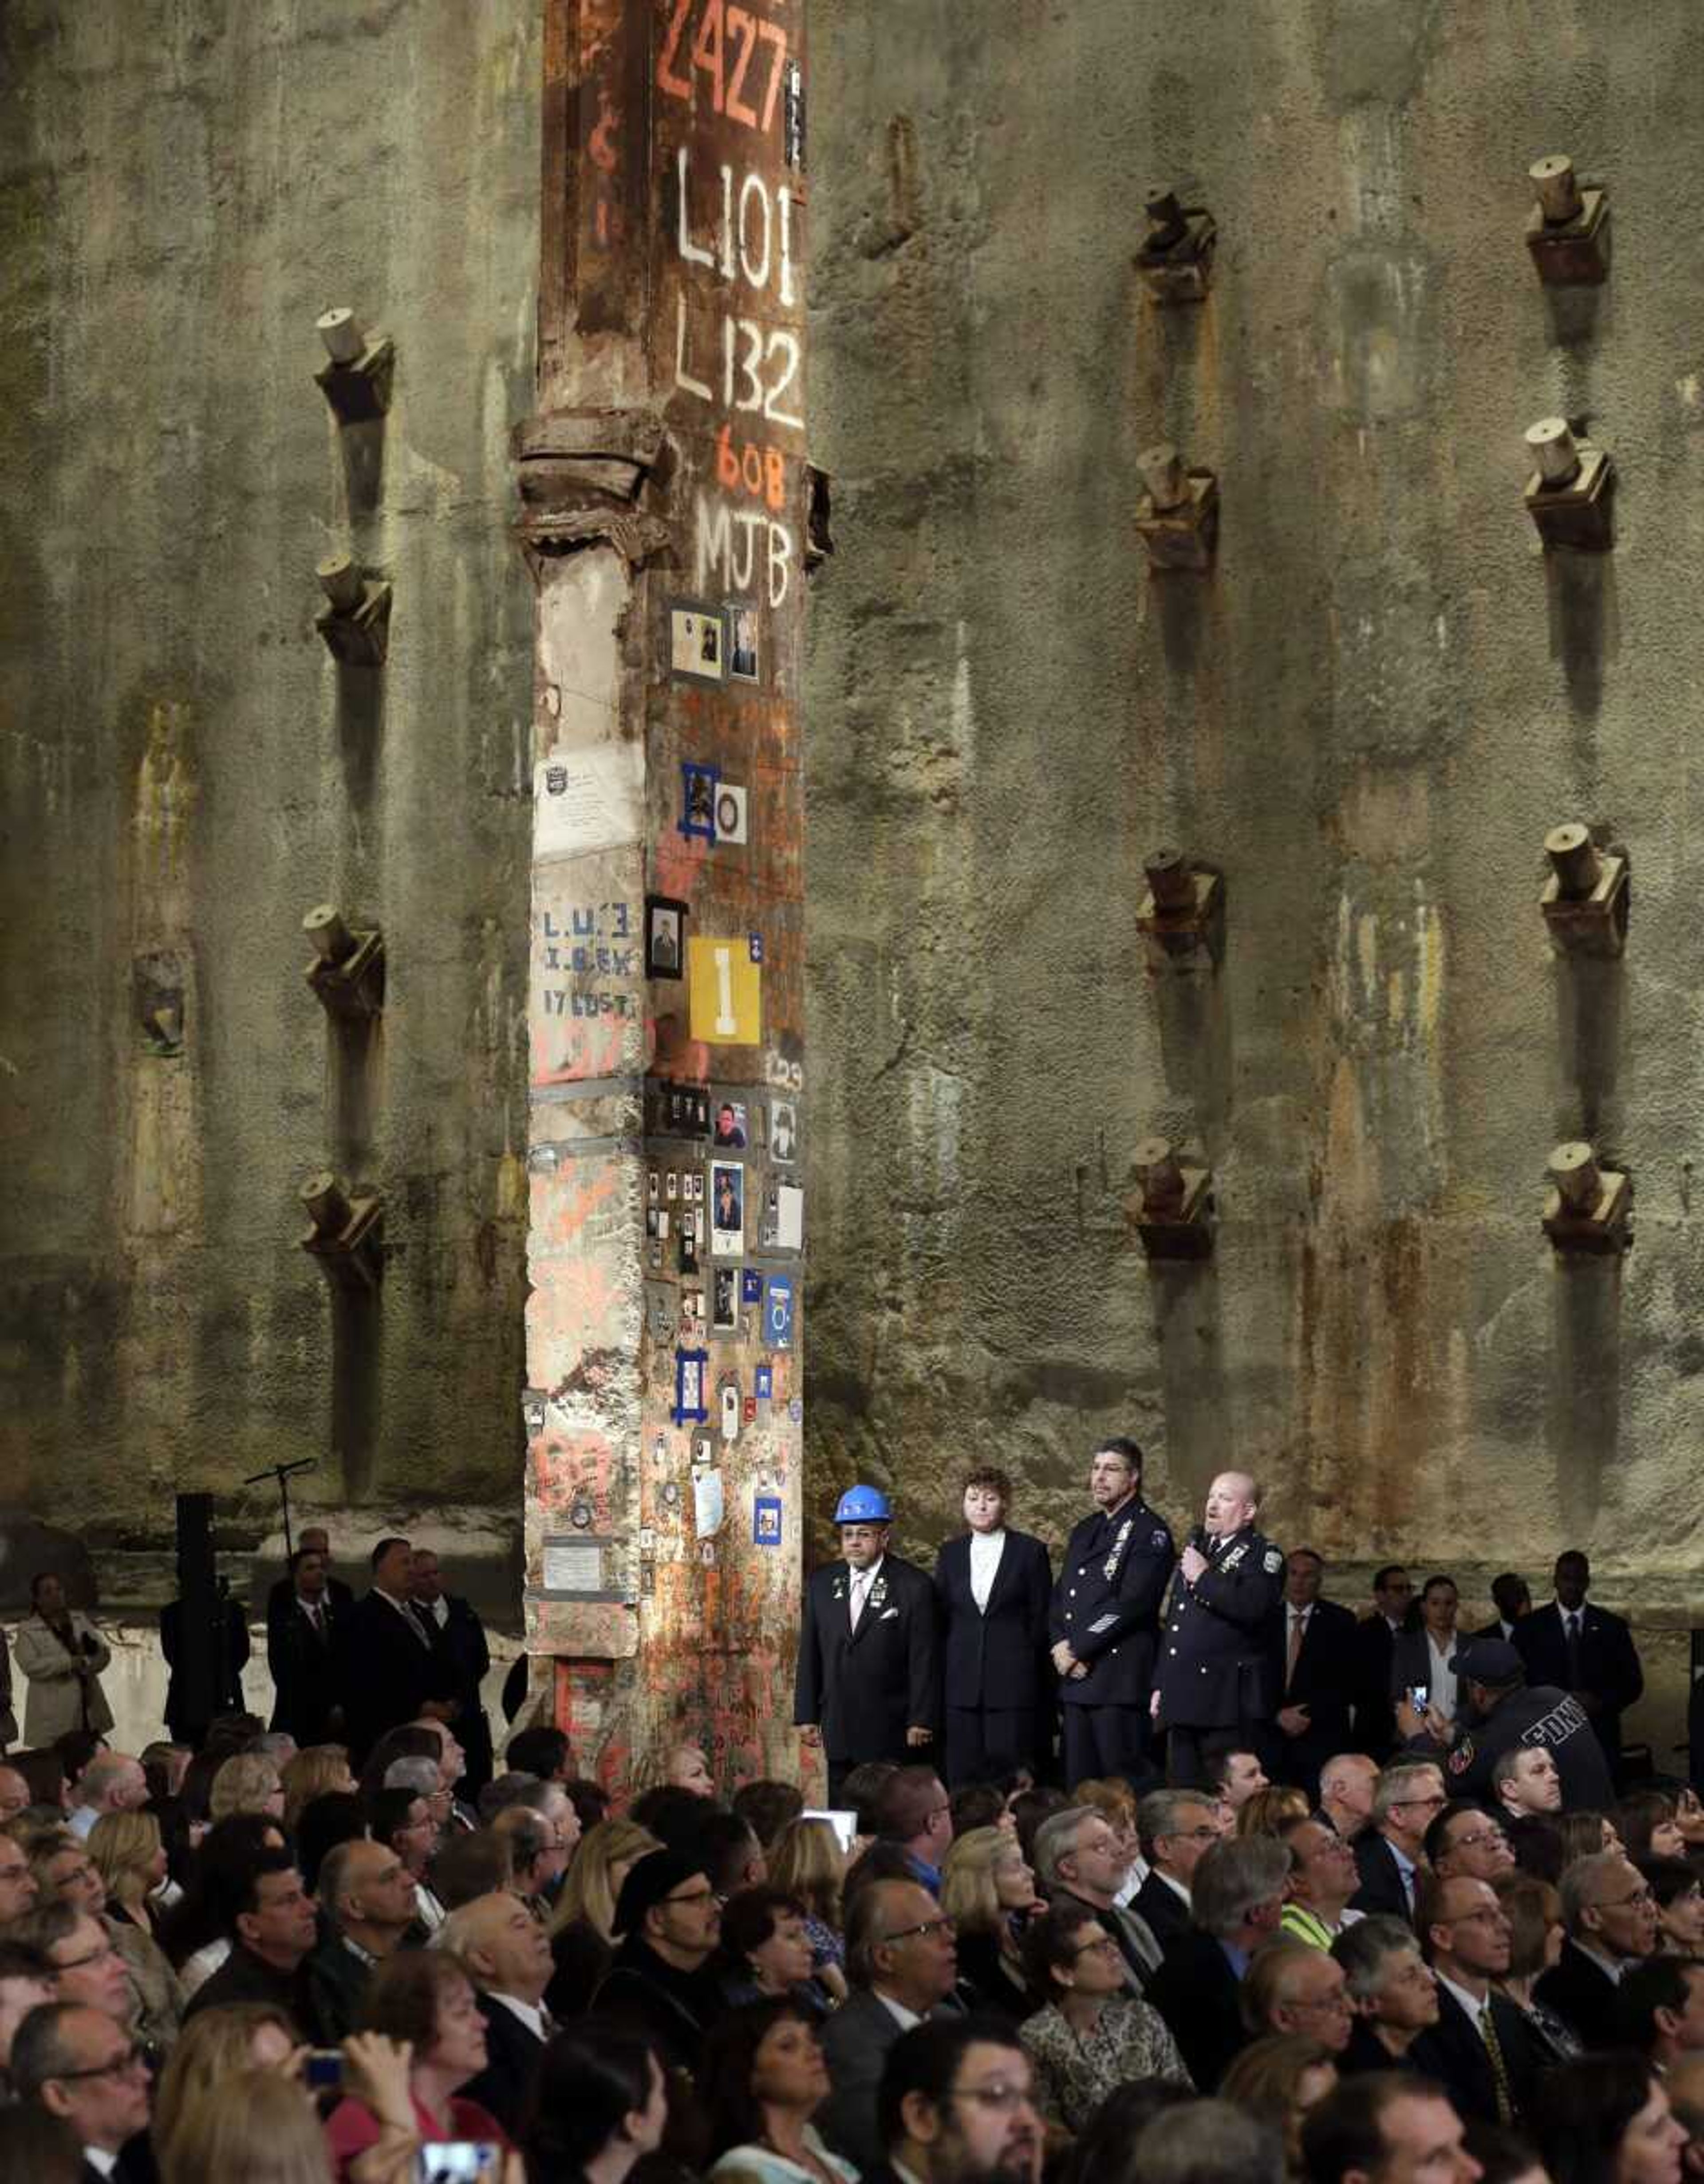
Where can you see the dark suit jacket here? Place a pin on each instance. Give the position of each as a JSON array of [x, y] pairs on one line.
[[855, 2042], [1166, 1913], [1107, 1602], [996, 1656], [1380, 1878], [1375, 1717], [1583, 1995], [1452, 2052], [1324, 1682], [305, 1665], [1196, 1991], [1609, 1664], [245, 1977], [463, 1639], [512, 2058], [179, 1720], [676, 2009], [387, 1673], [866, 1687]]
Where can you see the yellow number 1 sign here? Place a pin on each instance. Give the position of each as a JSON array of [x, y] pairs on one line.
[[725, 993]]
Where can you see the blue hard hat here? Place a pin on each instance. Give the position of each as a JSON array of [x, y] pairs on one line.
[[863, 1505]]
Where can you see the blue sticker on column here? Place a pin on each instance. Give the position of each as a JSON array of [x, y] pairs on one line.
[[698, 801], [689, 1375], [756, 939], [765, 1387], [766, 1521], [750, 1286], [778, 1313]]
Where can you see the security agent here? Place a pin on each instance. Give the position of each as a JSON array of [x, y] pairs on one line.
[[1104, 1621], [1213, 1688], [868, 1682], [1497, 1709]]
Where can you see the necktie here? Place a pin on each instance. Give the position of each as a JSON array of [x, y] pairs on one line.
[[1298, 1624], [1574, 1651], [859, 1580], [1499, 2071]]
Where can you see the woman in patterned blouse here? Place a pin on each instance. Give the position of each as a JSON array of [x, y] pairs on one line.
[[1089, 2035]]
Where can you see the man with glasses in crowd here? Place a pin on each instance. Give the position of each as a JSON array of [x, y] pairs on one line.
[[1323, 1876], [1388, 1856], [76, 2064], [1611, 1916], [956, 2106], [1078, 1862], [1464, 1842], [1479, 2051], [1391, 1990], [668, 1921], [900, 1963], [1175, 1827]]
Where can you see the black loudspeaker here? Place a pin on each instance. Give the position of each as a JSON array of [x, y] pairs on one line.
[[199, 1670]]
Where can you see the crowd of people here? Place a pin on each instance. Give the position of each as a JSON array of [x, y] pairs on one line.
[[1450, 1945]]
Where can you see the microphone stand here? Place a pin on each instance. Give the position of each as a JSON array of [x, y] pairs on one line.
[[281, 1473]]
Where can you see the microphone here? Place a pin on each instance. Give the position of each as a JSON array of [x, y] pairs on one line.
[[1200, 1539]]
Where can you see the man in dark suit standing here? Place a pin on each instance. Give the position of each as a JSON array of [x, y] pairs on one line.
[[1105, 1621], [462, 1635], [868, 1680], [993, 1586], [1512, 1598], [313, 1538], [392, 1669], [1586, 1650], [301, 1652], [1313, 1671], [1375, 1635], [1214, 1689]]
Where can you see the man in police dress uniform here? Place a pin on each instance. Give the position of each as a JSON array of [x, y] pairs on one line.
[[1213, 1686], [868, 1683], [1104, 1621]]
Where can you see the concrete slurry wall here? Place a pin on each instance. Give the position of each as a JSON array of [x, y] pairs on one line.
[[1366, 719], [183, 774]]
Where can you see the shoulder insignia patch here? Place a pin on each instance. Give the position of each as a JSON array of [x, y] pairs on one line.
[[1461, 1758], [1162, 1539], [1272, 1562]]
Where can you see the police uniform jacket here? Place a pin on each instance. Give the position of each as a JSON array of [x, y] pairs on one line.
[[1214, 1664], [1107, 1603], [1540, 1714], [866, 1687], [997, 1655]]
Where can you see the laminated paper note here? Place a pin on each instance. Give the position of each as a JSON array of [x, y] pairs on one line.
[[589, 800]]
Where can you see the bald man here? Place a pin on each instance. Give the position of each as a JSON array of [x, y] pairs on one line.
[[1214, 1684]]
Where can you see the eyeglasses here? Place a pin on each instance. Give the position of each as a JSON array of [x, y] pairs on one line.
[[127, 2059], [941, 1925], [1440, 1799], [697, 1896], [1334, 2003], [999, 2097], [1642, 1894], [1103, 1942], [1205, 1834], [1479, 1835]]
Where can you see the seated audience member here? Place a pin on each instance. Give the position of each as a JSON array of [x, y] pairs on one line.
[[1113, 1798], [1029, 1808], [321, 1770], [979, 1805], [580, 1926], [1585, 1833], [1611, 1917], [1234, 1777], [336, 1817], [536, 1857], [730, 1852], [900, 1964], [1535, 1944], [195, 1933], [1323, 1876], [1079, 1860], [1659, 2011], [1525, 1781], [112, 1782], [542, 1750], [599, 2104], [366, 1906], [1386, 2127], [27, 1981], [470, 1866], [914, 1812], [1391, 1990], [19, 1889], [676, 1767], [1464, 1842], [1278, 2081], [989, 1894], [1503, 2156], [1208, 2143], [1606, 2119], [78, 2065], [423, 1998], [1537, 1843], [1389, 1854], [1296, 1987], [1091, 2034], [1237, 1901], [767, 1806], [1347, 1784], [67, 1873], [244, 2035], [765, 1953], [1478, 2051], [401, 1821], [1646, 1824], [502, 1948], [668, 1923], [257, 2125], [765, 2080], [1270, 1811], [1101, 2154], [409, 1740], [807, 1861], [43, 1772], [272, 1933], [41, 2147], [674, 1815], [1174, 1829], [1674, 1882], [15, 1790], [956, 2105], [248, 1782], [503, 1790], [82, 1963], [591, 1801], [128, 1851]]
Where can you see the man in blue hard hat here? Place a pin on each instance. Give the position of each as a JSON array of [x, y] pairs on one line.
[[868, 1684]]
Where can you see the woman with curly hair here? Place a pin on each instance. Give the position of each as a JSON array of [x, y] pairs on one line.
[[1090, 2034], [767, 2078]]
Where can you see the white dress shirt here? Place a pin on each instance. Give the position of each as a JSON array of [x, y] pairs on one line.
[[1442, 1694], [531, 2014], [986, 1551]]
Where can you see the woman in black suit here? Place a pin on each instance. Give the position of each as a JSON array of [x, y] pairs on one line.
[[993, 1586]]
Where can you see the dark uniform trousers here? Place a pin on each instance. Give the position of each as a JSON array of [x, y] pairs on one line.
[[1215, 1674], [1106, 1607]]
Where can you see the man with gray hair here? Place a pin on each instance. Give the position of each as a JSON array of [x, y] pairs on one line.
[[366, 1901], [1611, 1916], [1175, 1828], [76, 2064], [1410, 1796], [1207, 2142], [1078, 1862], [1237, 1903], [900, 1963], [112, 1782], [1391, 1990]]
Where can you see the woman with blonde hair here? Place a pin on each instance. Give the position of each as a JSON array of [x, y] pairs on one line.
[[808, 1862], [128, 1851], [580, 1930], [1271, 1808], [214, 2045], [989, 1893], [256, 2125], [248, 1782], [321, 1770], [66, 1872]]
